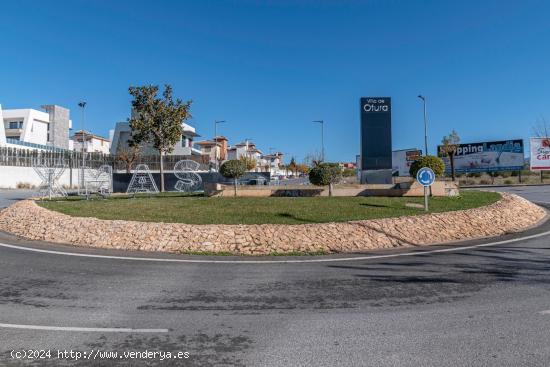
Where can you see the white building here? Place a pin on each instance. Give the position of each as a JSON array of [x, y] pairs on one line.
[[48, 129], [264, 163], [92, 143], [122, 134]]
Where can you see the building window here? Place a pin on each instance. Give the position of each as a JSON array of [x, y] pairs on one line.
[[16, 125]]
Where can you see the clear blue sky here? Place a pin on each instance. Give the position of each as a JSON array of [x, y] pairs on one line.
[[270, 67]]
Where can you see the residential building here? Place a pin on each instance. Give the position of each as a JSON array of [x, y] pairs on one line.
[[90, 142], [272, 163], [122, 135], [47, 129], [214, 149], [264, 163]]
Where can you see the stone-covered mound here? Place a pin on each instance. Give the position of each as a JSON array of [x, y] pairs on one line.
[[510, 214]]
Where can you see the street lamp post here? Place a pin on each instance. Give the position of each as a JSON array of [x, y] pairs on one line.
[[216, 140], [425, 124], [322, 122], [82, 105]]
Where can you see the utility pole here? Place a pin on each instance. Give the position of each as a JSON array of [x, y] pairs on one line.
[[425, 125], [82, 105], [216, 141], [322, 122]]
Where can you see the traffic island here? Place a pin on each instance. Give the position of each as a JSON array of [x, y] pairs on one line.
[[509, 214]]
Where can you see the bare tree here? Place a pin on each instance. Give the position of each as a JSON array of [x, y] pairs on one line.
[[313, 159], [448, 148], [128, 156], [542, 128]]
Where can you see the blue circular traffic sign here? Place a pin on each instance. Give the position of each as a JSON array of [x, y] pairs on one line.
[[425, 176]]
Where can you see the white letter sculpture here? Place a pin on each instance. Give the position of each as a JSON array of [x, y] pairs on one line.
[[142, 181], [188, 179], [49, 173], [98, 181]]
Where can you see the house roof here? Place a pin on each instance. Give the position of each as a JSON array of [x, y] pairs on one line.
[[78, 136]]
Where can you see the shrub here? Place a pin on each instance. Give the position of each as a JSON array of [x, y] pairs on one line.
[[233, 169], [485, 181], [466, 182], [348, 172], [474, 174], [325, 174], [24, 185], [508, 182], [435, 163]]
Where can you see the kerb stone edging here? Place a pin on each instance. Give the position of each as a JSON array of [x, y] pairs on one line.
[[510, 214]]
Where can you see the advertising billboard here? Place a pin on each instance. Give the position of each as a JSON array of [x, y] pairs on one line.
[[540, 153], [402, 160], [489, 156], [375, 133]]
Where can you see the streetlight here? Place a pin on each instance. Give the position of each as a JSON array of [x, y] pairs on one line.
[[425, 125], [322, 139], [82, 105], [216, 139]]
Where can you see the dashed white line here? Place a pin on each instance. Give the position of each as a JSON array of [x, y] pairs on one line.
[[81, 329]]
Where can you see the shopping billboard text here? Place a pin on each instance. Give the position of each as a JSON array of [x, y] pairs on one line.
[[489, 156]]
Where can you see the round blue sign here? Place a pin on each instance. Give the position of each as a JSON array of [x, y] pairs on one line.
[[425, 176]]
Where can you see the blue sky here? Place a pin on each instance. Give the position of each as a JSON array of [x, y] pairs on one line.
[[270, 67]]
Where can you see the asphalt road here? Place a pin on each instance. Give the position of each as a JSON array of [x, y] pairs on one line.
[[480, 306]]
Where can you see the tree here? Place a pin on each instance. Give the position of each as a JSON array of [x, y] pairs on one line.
[[449, 146], [292, 166], [234, 169], [349, 172], [302, 168], [313, 159], [325, 174], [430, 161], [249, 162], [128, 156], [158, 120]]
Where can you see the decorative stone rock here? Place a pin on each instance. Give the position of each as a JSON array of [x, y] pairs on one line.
[[510, 214]]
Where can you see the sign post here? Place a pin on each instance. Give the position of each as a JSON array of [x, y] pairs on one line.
[[426, 177]]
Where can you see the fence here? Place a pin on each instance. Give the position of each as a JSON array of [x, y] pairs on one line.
[[26, 157]]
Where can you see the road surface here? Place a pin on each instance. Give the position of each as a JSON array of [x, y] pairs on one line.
[[475, 306]]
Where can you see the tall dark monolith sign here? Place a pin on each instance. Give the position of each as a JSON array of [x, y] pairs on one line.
[[376, 164]]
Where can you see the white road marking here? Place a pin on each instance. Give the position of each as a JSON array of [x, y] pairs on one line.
[[545, 312], [321, 260], [82, 329]]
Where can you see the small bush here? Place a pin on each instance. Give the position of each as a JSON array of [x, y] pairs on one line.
[[466, 182], [474, 174], [234, 168], [435, 163], [348, 172], [325, 174], [508, 182], [485, 181], [24, 185]]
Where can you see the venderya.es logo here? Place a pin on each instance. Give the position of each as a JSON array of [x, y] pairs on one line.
[[376, 105]]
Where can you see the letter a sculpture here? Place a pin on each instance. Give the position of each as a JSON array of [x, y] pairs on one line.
[[142, 181], [188, 179]]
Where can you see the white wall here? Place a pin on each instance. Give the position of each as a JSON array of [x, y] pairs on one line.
[[10, 176]]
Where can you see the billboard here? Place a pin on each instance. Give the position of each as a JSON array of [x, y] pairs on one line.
[[402, 160], [489, 156], [375, 133], [540, 153]]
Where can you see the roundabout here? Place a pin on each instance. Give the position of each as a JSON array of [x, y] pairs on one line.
[[481, 302]]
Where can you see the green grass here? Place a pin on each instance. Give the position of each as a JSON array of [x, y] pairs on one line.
[[202, 210]]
